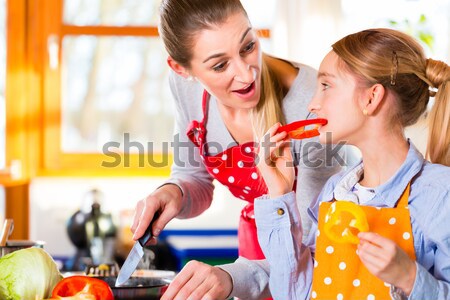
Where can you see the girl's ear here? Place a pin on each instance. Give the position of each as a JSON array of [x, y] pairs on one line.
[[374, 97], [177, 68]]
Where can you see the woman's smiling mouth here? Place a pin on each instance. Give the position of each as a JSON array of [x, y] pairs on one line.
[[246, 92]]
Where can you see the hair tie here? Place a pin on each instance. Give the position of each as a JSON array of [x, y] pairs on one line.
[[433, 91]]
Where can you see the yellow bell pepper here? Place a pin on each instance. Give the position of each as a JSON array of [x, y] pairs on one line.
[[342, 220]]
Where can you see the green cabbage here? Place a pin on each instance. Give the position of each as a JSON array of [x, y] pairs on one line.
[[27, 274]]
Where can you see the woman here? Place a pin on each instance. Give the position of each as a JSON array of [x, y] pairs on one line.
[[226, 90], [371, 86]]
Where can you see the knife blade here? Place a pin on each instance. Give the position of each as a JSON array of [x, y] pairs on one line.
[[135, 255]]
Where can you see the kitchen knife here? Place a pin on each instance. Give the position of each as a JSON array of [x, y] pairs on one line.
[[135, 255]]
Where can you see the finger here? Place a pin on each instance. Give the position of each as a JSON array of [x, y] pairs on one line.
[[168, 213], [202, 292], [217, 291], [285, 148], [177, 284], [370, 251], [272, 134], [369, 248], [269, 135], [196, 283], [280, 136], [269, 141], [372, 263], [274, 128], [386, 245], [194, 289], [137, 215], [146, 216], [209, 295], [152, 241], [278, 149], [373, 237]]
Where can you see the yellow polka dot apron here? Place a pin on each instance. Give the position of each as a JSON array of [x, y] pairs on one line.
[[338, 271]]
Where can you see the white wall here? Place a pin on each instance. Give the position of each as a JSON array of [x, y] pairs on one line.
[[304, 30], [54, 200]]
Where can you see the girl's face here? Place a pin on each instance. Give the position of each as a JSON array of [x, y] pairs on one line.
[[336, 99], [227, 61]]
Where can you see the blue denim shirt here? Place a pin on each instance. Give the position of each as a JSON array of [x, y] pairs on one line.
[[291, 263]]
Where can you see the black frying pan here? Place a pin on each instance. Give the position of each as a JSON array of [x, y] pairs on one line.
[[138, 288]]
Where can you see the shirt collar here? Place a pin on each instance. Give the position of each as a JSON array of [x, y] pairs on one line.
[[388, 193], [343, 190]]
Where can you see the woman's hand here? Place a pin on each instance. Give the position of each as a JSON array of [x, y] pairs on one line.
[[199, 281], [387, 261], [275, 162], [166, 200]]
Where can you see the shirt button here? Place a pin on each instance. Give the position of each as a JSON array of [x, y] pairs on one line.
[[280, 211]]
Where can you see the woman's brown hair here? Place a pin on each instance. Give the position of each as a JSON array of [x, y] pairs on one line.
[[397, 61], [180, 20]]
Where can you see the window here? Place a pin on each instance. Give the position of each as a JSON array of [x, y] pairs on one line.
[[306, 29], [426, 20], [2, 82], [105, 88], [105, 79], [2, 101]]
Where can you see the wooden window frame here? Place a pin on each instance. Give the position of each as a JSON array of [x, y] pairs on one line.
[[34, 117]]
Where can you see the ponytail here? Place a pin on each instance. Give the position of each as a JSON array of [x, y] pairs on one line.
[[438, 146]]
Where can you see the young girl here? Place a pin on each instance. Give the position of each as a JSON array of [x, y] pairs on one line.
[[371, 85]]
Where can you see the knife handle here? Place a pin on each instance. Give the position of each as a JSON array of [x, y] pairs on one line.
[[143, 240]]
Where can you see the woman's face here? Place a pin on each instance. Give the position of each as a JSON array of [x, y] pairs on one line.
[[336, 99], [227, 61]]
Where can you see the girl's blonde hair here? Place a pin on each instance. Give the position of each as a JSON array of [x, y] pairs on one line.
[[397, 61], [438, 149]]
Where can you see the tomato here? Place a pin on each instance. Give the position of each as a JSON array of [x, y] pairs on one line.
[[82, 285], [343, 218]]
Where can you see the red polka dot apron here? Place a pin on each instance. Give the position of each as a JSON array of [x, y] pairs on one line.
[[338, 271], [234, 168]]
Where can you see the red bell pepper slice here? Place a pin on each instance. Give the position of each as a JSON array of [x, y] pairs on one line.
[[298, 130], [82, 287]]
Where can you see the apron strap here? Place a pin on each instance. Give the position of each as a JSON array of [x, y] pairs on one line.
[[403, 202], [205, 102], [196, 131]]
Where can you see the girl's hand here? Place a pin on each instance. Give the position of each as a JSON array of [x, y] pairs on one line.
[[199, 281], [275, 162], [387, 261]]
